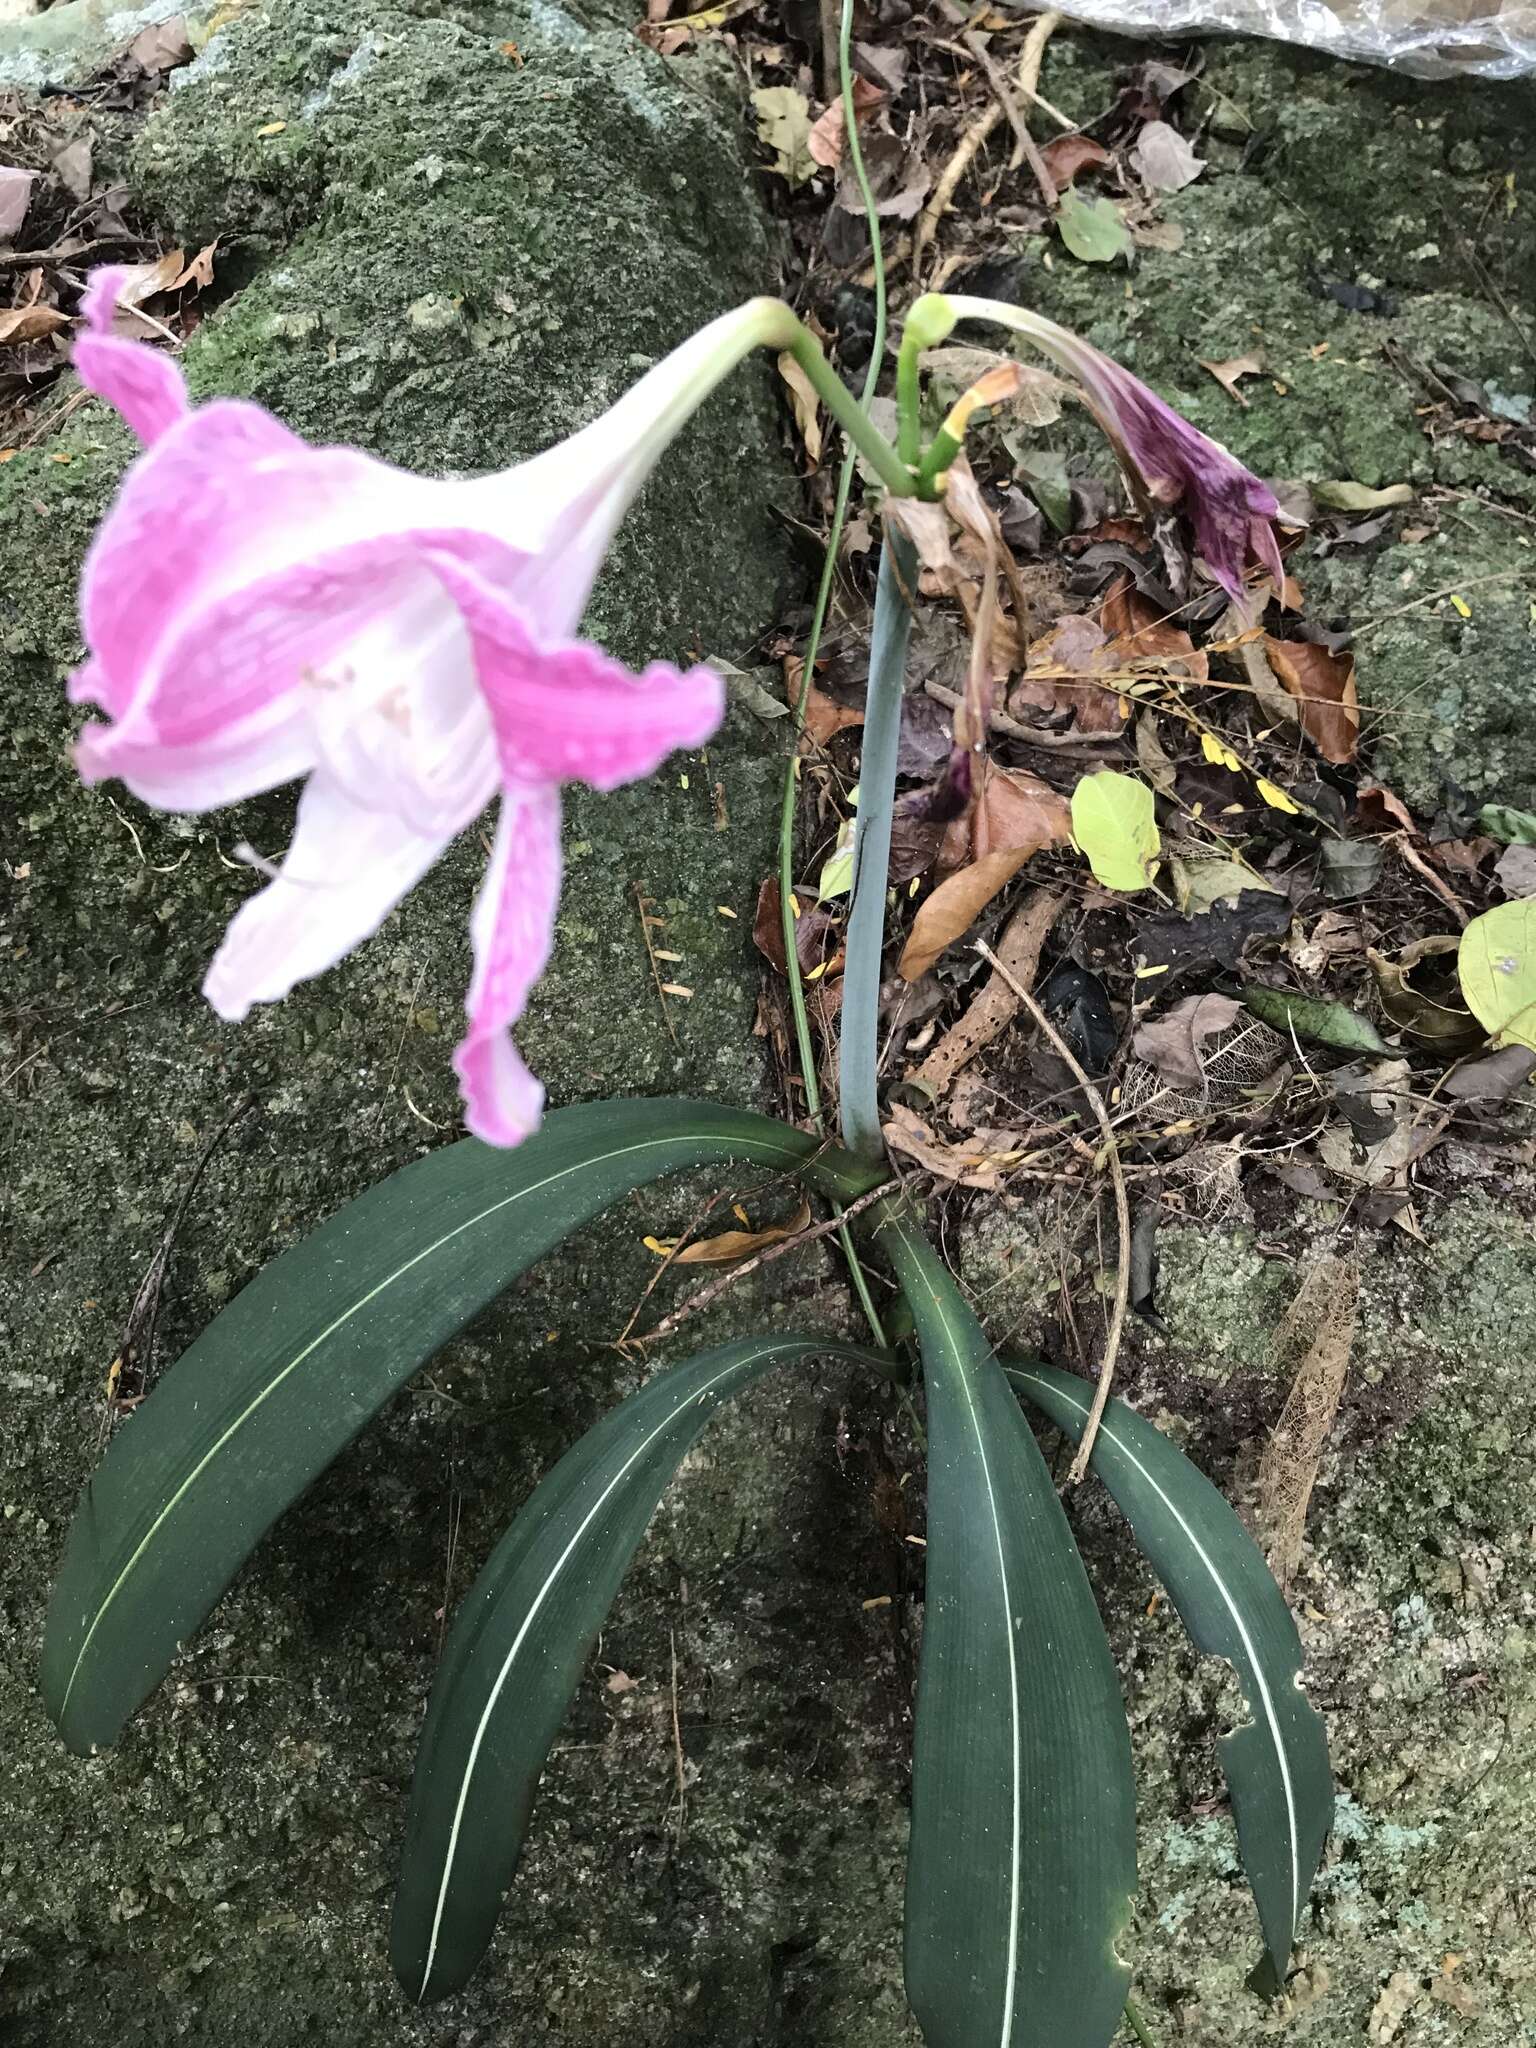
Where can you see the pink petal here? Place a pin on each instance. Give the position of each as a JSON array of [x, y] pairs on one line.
[[565, 712], [143, 383], [225, 766], [512, 930], [346, 870]]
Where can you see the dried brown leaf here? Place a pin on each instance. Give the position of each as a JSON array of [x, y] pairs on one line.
[[806, 407], [1138, 631], [29, 323], [1323, 686], [1067, 155], [1289, 1467], [953, 908], [1228, 373], [1175, 1042], [826, 139], [990, 1013], [731, 1245], [972, 1166], [824, 716]]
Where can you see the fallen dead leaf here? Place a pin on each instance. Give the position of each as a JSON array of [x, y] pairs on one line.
[[163, 46], [30, 323], [1379, 809], [1323, 686], [1174, 1043], [1013, 810], [1060, 675], [15, 196], [1163, 159], [1400, 1994], [990, 1013], [828, 134], [731, 1245], [72, 167], [1325, 1307], [806, 407], [953, 908], [1228, 373], [1139, 631], [972, 1166], [824, 716], [1069, 154]]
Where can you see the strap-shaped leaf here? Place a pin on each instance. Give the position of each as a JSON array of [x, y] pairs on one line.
[[1022, 1870], [518, 1647], [296, 1365], [1277, 1762]]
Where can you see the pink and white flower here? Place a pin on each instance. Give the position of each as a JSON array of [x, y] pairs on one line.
[[256, 610]]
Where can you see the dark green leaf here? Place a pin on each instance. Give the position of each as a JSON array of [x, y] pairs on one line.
[[518, 1648], [1277, 1762], [1312, 1018], [1022, 1870], [299, 1362]]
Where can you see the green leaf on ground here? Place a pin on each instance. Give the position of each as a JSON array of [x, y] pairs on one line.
[[1093, 229], [1503, 821], [1312, 1018], [1114, 822], [1496, 963], [1352, 497]]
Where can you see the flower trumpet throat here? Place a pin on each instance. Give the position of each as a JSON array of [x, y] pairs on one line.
[[257, 610]]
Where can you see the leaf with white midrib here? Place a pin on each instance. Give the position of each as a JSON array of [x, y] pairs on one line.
[[298, 1363], [518, 1648], [1216, 1577], [1022, 1870]]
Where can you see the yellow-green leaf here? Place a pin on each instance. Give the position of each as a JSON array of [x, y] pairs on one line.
[[1114, 823], [1095, 232], [1496, 963]]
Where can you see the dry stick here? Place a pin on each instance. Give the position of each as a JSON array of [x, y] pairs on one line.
[[781, 1250], [1122, 1213], [966, 149], [1400, 843], [1025, 148], [677, 1748], [1036, 735], [26, 259]]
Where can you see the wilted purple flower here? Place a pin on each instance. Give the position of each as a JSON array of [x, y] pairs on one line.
[[1231, 511]]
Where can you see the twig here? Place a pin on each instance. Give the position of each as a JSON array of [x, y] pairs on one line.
[[970, 143], [781, 1250], [64, 252], [677, 1747], [642, 902], [1025, 148], [1420, 866], [684, 1236], [1014, 729], [1095, 1102]]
